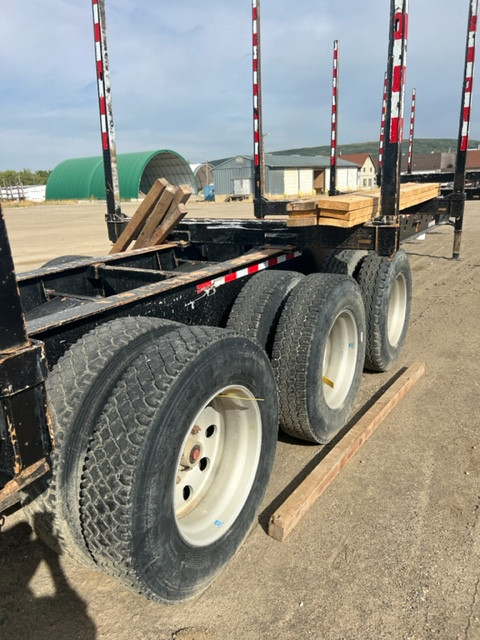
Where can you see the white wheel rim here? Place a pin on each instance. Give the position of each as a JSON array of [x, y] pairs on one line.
[[217, 465], [397, 309], [340, 359]]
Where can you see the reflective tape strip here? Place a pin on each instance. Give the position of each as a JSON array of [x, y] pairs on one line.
[[399, 71], [412, 130], [382, 122], [247, 271], [97, 31], [469, 67]]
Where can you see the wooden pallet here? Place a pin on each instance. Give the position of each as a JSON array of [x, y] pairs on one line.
[[159, 212], [350, 210]]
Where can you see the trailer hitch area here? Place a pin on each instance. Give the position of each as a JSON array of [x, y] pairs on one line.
[[26, 437]]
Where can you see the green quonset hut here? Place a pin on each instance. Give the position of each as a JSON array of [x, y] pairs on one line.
[[80, 178]]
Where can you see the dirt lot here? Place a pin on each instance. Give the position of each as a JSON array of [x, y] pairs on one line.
[[391, 550]]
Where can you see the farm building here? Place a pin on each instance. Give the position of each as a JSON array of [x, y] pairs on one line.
[[367, 173], [284, 175], [203, 173], [84, 177]]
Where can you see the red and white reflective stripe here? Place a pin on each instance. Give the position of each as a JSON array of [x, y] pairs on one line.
[[256, 121], [382, 121], [247, 271], [469, 67], [333, 139], [412, 130], [400, 36], [97, 30]]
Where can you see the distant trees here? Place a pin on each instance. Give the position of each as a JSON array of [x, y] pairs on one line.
[[25, 176]]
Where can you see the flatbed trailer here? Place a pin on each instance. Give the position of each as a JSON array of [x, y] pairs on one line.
[[141, 392]]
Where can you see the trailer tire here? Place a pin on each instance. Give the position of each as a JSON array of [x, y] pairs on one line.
[[61, 260], [386, 286], [318, 356], [345, 261], [156, 515], [78, 388], [257, 308]]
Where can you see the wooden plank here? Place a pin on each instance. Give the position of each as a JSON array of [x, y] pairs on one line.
[[348, 202], [132, 229], [287, 516], [303, 221], [301, 205], [351, 210], [169, 223], [344, 224], [364, 212], [155, 217], [175, 213]]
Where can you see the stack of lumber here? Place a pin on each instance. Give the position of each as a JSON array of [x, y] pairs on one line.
[[159, 212], [355, 208]]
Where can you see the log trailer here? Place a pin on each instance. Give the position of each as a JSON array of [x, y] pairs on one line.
[[141, 392]]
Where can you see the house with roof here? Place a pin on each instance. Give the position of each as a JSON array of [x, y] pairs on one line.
[[435, 162], [473, 159], [367, 172], [285, 175]]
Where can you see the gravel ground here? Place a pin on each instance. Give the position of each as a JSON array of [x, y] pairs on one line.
[[392, 548]]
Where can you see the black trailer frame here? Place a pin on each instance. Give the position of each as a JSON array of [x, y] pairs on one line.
[[194, 279]]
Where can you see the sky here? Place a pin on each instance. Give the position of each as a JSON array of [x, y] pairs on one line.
[[181, 75]]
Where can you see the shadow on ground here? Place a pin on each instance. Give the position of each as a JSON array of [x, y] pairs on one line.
[[23, 615]]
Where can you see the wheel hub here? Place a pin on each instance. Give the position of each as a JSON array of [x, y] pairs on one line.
[[217, 465], [192, 452]]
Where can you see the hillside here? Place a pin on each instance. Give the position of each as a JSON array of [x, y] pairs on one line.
[[421, 145]]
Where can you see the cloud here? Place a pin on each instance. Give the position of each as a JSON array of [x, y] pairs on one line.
[[181, 75]]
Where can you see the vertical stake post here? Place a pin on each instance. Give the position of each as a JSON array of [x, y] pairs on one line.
[[258, 154], [396, 72], [458, 196], [334, 122], [115, 218]]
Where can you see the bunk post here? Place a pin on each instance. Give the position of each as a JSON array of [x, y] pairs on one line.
[[115, 219], [396, 69], [458, 195], [334, 123], [258, 154]]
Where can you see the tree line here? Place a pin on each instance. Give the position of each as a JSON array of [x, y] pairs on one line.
[[25, 176]]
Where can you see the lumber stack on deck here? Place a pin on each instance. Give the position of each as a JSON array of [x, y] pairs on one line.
[[353, 209], [159, 212]]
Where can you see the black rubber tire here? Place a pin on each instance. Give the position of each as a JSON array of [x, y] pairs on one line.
[[78, 388], [257, 308], [319, 346], [62, 260], [386, 286], [130, 477], [345, 261]]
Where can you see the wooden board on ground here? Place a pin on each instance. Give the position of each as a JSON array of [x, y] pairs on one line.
[[287, 516]]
